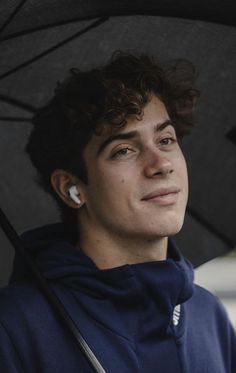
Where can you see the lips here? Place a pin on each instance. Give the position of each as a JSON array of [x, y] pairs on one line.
[[163, 196], [161, 192]]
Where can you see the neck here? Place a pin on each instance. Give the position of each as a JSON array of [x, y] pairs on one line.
[[108, 251]]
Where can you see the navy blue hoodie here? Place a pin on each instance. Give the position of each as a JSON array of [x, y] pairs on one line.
[[147, 318]]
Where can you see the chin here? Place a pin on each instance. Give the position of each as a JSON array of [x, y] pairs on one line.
[[175, 229], [170, 228]]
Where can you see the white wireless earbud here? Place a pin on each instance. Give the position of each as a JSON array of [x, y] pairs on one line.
[[74, 194]]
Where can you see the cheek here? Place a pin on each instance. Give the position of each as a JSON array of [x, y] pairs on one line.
[[109, 184], [181, 169], [184, 177]]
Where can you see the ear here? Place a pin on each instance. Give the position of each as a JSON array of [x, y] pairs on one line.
[[62, 181]]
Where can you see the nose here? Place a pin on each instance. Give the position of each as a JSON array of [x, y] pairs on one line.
[[157, 163]]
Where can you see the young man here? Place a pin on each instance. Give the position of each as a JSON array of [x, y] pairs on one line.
[[107, 147]]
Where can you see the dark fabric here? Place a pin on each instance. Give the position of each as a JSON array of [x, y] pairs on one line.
[[144, 318], [38, 14]]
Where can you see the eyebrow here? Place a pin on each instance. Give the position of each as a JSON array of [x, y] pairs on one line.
[[131, 135]]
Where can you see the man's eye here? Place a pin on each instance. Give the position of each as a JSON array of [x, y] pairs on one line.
[[168, 141], [121, 152]]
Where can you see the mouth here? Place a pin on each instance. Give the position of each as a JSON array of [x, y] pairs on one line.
[[163, 196]]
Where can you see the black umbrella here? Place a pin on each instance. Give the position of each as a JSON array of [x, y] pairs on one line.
[[40, 41]]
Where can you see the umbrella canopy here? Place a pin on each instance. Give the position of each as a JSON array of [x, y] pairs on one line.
[[40, 42]]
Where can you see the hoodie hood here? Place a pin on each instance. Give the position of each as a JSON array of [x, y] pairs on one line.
[[156, 287]]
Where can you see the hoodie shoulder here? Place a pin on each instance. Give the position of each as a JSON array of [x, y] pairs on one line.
[[209, 315], [208, 328], [207, 299], [23, 306], [208, 302]]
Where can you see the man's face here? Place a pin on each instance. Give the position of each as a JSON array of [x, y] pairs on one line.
[[137, 178]]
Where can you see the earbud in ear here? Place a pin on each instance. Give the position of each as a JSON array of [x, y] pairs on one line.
[[74, 194]]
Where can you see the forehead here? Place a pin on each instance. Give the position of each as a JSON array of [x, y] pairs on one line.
[[153, 118]]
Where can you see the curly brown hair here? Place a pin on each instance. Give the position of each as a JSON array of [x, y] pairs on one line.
[[89, 100]]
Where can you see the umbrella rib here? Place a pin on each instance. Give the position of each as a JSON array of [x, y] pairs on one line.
[[18, 103], [12, 15], [47, 51], [48, 26], [210, 227]]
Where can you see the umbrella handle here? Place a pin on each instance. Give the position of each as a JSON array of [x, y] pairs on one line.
[[51, 297]]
